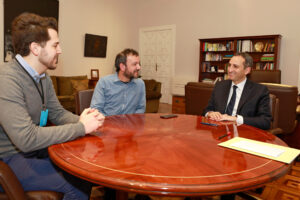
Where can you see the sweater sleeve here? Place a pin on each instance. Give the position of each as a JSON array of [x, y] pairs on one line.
[[20, 113]]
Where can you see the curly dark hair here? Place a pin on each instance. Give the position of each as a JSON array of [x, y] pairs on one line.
[[28, 28]]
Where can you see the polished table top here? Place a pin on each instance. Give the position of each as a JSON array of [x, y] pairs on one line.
[[179, 156]]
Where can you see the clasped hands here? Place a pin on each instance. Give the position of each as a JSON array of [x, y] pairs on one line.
[[92, 119], [220, 117]]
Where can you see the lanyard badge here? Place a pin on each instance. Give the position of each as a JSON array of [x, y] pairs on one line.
[[44, 117]]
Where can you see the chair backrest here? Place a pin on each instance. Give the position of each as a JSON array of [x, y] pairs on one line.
[[265, 76], [287, 96], [83, 100], [197, 95]]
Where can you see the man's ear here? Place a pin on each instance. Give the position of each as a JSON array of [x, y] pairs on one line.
[[34, 48], [122, 67], [248, 70]]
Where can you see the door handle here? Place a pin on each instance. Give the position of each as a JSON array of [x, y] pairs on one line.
[[156, 67]]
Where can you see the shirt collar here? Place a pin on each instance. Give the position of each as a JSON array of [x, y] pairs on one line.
[[29, 69], [241, 84]]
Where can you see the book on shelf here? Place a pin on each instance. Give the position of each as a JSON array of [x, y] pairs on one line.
[[226, 67], [207, 80], [269, 47], [213, 57], [268, 66], [205, 66], [227, 57], [230, 46], [244, 46], [267, 57]]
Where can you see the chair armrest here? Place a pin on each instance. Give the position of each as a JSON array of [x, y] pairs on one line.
[[275, 131], [10, 183]]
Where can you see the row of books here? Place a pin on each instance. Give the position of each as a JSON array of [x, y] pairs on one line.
[[264, 66], [269, 47], [207, 46], [244, 46], [216, 57]]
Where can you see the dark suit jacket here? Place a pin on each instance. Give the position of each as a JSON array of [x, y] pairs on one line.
[[254, 104]]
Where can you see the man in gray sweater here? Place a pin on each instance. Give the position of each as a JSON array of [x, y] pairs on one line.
[[27, 100]]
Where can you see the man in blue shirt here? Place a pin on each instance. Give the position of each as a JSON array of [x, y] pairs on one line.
[[122, 92]]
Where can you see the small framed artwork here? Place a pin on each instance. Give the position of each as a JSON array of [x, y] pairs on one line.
[[94, 74]]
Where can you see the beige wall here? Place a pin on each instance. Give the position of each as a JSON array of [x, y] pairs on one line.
[[194, 19]]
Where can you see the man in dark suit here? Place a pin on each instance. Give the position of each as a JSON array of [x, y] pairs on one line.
[[239, 99]]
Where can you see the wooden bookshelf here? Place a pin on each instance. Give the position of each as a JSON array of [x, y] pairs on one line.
[[215, 53]]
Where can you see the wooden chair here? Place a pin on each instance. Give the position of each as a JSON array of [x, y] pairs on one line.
[[13, 189], [83, 100]]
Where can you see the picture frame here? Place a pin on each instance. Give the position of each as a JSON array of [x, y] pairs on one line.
[[95, 74]]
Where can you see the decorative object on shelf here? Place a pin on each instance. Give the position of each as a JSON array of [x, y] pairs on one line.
[[94, 74], [259, 46]]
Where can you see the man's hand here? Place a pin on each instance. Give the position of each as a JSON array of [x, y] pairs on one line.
[[220, 117], [226, 117], [91, 119], [214, 115]]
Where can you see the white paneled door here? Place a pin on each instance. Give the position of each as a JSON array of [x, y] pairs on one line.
[[157, 49]]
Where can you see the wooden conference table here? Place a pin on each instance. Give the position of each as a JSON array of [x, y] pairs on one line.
[[175, 157]]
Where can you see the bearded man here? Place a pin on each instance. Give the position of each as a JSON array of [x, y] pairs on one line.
[[122, 92]]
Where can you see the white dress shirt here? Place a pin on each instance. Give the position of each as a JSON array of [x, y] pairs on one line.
[[239, 91]]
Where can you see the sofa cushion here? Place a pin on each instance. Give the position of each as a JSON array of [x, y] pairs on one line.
[[64, 84], [78, 85]]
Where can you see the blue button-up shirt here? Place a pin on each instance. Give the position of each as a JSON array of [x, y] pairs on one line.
[[29, 69], [114, 97]]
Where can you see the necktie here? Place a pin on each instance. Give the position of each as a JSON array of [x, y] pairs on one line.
[[230, 105]]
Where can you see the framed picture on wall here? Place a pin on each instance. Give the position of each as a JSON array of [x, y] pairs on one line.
[[94, 74]]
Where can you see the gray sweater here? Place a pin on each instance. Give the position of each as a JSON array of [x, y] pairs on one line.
[[20, 110]]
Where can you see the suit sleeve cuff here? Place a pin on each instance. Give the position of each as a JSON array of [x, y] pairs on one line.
[[239, 119]]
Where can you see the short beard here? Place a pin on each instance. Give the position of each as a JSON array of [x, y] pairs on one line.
[[130, 75]]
